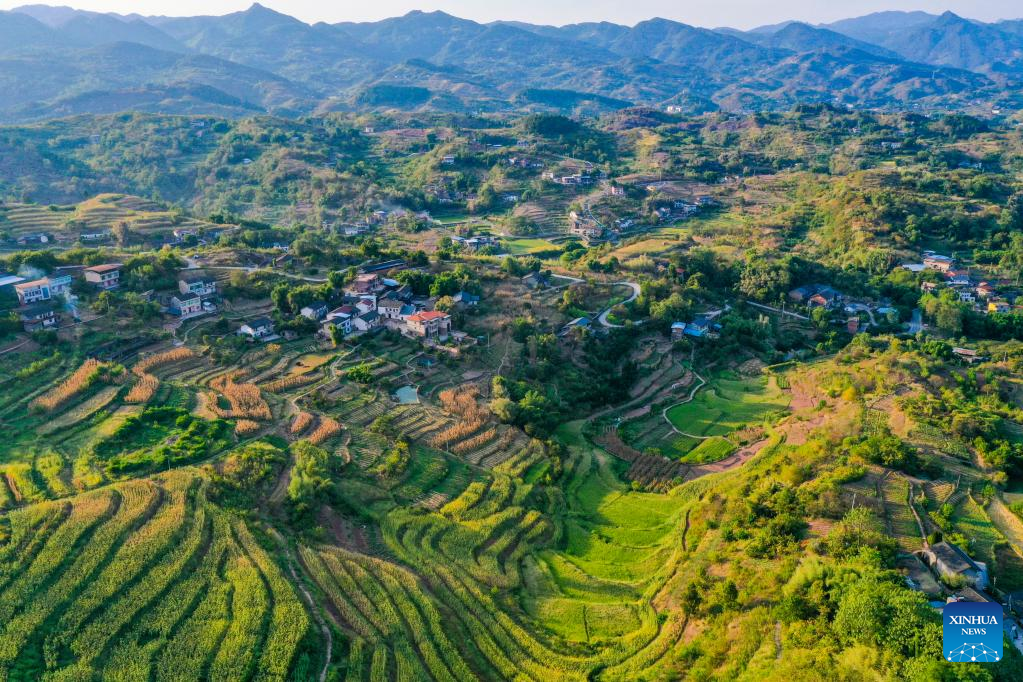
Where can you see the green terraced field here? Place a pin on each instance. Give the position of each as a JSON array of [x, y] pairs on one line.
[[727, 404]]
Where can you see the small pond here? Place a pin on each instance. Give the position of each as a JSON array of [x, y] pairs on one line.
[[407, 395]]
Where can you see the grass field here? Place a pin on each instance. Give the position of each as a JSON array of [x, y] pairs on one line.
[[728, 403], [524, 246], [709, 450]]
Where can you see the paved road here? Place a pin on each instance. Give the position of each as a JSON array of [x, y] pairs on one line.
[[688, 399], [635, 294]]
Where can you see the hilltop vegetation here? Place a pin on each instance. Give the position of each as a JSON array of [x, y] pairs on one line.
[[59, 61], [389, 397]]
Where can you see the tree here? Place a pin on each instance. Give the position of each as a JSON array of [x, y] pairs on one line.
[[764, 280], [337, 335], [418, 280], [675, 308], [821, 317], [279, 296], [360, 373], [444, 304], [310, 478], [504, 409]]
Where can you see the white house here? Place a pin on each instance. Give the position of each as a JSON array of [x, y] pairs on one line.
[[37, 317], [42, 289], [106, 276], [366, 321], [59, 284], [316, 310], [197, 285], [260, 328], [391, 308], [185, 308], [33, 291]]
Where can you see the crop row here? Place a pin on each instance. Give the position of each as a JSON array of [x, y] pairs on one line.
[[140, 581]]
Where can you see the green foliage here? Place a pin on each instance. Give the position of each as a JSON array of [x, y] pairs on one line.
[[243, 472], [395, 460], [310, 480], [361, 373], [160, 437], [860, 529]]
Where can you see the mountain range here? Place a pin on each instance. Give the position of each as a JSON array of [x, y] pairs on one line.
[[58, 61]]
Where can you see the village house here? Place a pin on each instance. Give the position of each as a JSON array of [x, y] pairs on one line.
[[998, 305], [197, 285], [968, 355], [967, 296], [701, 327], [186, 307], [365, 305], [42, 289], [586, 228], [448, 159], [402, 292], [477, 242], [934, 261], [34, 238], [948, 560], [678, 331], [395, 264], [464, 298], [393, 309], [577, 323], [316, 310], [346, 311], [106, 276], [341, 318], [985, 290], [260, 328], [958, 278], [38, 317], [343, 323], [366, 283], [573, 179], [825, 297], [367, 321], [928, 287], [33, 291], [802, 294], [429, 324], [536, 280]]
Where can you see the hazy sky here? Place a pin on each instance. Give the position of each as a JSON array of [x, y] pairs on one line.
[[711, 13]]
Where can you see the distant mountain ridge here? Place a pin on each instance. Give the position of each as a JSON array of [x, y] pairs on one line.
[[59, 61]]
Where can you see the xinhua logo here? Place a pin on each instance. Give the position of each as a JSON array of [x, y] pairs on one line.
[[972, 632]]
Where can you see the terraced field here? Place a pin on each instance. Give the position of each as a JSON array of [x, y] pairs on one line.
[[143, 579], [437, 611], [440, 543], [95, 216], [902, 523], [728, 403]]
